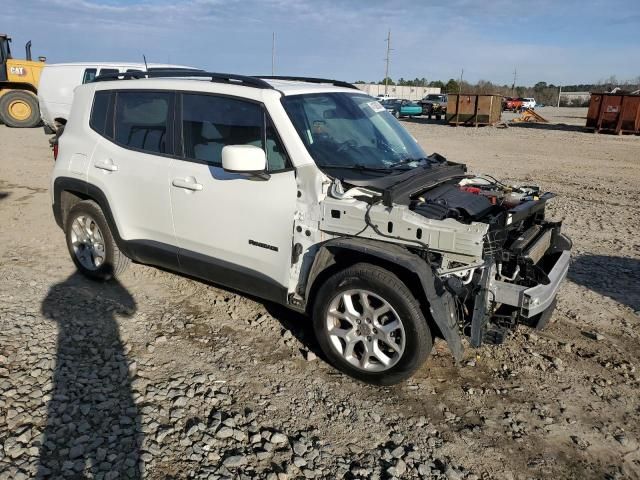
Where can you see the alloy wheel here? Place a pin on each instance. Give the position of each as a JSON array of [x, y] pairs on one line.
[[87, 242], [365, 330]]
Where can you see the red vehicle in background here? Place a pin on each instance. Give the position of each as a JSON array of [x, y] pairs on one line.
[[513, 104]]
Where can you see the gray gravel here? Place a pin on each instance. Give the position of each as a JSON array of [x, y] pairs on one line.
[[163, 377]]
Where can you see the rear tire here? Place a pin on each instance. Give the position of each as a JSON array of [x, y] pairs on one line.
[[19, 109], [91, 244], [385, 320]]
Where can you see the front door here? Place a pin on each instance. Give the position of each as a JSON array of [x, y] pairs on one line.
[[233, 229]]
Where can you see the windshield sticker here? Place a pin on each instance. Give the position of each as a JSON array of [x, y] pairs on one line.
[[376, 107]]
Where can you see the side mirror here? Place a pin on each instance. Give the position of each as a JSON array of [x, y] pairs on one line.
[[244, 159]]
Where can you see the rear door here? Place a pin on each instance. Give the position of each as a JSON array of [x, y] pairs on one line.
[[130, 164], [231, 228]]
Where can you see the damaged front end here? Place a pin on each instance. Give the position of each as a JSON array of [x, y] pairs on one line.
[[524, 260], [487, 249]]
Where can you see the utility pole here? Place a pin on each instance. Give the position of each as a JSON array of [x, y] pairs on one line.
[[273, 53], [559, 94], [460, 82], [387, 58], [513, 85]]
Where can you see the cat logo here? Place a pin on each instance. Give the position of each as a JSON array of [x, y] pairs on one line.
[[20, 71]]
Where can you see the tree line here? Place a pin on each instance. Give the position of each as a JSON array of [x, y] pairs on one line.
[[543, 92]]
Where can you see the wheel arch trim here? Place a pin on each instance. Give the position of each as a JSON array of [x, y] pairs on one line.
[[440, 302], [89, 192]]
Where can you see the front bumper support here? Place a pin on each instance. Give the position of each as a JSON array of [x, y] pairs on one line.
[[532, 301]]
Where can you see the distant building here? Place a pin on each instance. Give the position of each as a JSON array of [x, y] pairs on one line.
[[405, 92], [572, 98]]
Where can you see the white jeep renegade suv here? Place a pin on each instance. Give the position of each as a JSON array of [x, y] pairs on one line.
[[305, 192]]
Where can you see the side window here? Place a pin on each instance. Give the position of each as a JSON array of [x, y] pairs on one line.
[[142, 120], [98, 120], [209, 123], [89, 75]]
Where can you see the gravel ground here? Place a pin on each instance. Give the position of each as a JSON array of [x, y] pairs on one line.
[[164, 377]]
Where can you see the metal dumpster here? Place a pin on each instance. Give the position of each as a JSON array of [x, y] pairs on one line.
[[472, 109], [614, 112]]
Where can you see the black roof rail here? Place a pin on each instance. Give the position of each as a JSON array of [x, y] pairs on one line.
[[337, 83], [165, 73]]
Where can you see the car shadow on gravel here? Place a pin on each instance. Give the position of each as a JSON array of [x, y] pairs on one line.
[[298, 324], [615, 277], [93, 424]]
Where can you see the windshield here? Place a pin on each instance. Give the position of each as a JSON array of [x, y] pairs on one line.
[[345, 130]]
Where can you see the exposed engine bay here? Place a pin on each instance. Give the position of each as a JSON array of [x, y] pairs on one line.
[[518, 235], [471, 199]]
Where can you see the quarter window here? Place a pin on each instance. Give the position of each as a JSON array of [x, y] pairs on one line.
[[209, 123], [276, 156], [142, 120], [89, 75], [98, 119]]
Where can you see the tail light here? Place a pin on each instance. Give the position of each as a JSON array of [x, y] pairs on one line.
[[55, 151]]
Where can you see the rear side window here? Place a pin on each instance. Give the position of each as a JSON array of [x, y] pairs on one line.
[[142, 120], [99, 112], [89, 75]]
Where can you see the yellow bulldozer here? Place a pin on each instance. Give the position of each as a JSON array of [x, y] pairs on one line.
[[19, 86]]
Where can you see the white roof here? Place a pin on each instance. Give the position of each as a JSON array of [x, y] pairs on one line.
[[286, 87], [295, 87]]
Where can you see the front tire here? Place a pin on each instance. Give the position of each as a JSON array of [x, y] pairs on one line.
[[370, 326], [19, 109], [91, 244]]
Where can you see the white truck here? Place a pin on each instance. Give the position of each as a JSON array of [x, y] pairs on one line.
[[305, 192]]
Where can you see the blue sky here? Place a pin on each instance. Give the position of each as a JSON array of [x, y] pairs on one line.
[[557, 41]]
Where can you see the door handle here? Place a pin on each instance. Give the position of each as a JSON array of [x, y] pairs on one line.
[[107, 165], [188, 183]]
